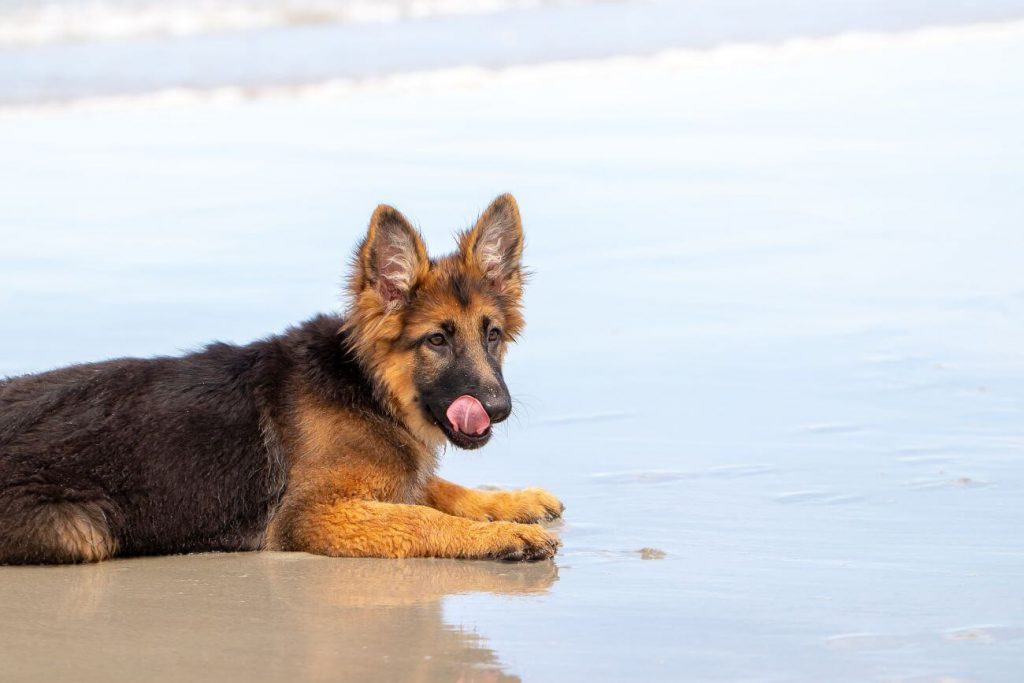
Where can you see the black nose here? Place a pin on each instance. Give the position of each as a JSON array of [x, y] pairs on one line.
[[498, 405]]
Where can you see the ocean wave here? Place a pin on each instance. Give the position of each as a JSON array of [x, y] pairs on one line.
[[468, 77], [26, 24]]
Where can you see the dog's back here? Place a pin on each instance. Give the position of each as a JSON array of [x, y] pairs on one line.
[[137, 457]]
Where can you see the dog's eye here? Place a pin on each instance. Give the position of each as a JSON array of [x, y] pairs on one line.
[[437, 340], [494, 335]]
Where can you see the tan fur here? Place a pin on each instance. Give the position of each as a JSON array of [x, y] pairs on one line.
[[364, 528], [526, 506], [73, 533], [354, 487], [83, 538], [356, 455]]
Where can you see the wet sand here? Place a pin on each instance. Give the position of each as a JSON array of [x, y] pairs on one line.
[[253, 616], [772, 366]]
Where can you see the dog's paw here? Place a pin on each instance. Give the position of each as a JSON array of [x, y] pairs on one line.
[[522, 543], [530, 506], [527, 506]]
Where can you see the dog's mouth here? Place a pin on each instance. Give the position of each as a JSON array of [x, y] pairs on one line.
[[465, 422], [466, 441]]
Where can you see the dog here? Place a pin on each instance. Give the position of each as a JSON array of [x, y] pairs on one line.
[[322, 439]]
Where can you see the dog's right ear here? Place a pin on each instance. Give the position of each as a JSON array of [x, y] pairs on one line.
[[391, 260]]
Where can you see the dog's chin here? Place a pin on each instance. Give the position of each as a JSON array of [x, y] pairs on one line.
[[467, 442]]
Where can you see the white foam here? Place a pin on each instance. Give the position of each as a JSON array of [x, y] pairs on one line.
[[49, 23], [476, 76]]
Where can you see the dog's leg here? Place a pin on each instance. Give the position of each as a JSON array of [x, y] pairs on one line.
[[525, 506], [33, 532], [365, 528]]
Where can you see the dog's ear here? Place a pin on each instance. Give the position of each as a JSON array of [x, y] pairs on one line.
[[494, 246], [392, 259]]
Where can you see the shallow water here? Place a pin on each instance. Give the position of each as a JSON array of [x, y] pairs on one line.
[[773, 364]]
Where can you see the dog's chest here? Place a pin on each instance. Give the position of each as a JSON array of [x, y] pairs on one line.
[[357, 455]]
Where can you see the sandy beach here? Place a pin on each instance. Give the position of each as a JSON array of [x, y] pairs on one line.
[[772, 365]]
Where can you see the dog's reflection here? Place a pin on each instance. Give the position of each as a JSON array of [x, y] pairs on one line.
[[262, 616]]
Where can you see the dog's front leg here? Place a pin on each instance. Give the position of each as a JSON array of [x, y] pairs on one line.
[[342, 527], [526, 506]]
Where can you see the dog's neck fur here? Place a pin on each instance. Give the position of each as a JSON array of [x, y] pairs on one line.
[[333, 371]]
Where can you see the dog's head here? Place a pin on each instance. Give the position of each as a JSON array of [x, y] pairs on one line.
[[432, 334]]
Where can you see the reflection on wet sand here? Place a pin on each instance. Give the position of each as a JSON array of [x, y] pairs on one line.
[[273, 616]]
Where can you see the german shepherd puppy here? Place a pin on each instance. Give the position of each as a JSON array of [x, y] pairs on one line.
[[323, 439]]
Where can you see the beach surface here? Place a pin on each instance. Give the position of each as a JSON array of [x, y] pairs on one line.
[[773, 364]]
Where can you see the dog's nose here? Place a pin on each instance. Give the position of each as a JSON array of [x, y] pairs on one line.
[[498, 405]]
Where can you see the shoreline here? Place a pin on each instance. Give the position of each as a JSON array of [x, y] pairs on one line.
[[471, 76], [304, 56]]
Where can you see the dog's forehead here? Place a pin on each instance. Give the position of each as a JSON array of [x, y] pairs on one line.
[[450, 294]]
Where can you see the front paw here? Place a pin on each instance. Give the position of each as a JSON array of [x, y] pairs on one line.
[[530, 506], [522, 543]]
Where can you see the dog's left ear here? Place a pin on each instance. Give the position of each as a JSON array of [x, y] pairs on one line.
[[495, 245]]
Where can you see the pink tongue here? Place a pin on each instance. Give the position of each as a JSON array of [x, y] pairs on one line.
[[468, 416]]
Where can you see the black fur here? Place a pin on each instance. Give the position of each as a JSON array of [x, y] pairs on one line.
[[171, 455]]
